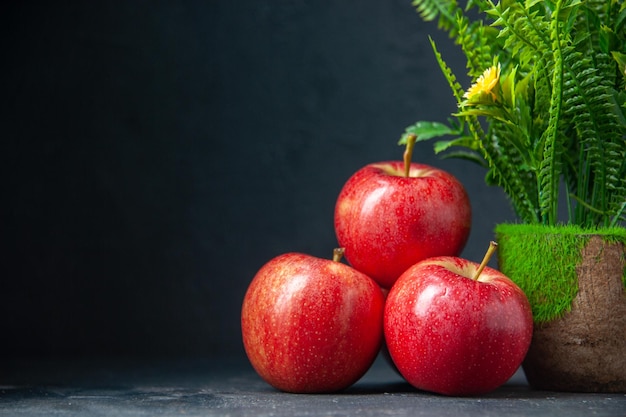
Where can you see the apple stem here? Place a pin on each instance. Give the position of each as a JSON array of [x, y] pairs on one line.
[[338, 254], [408, 153], [492, 248]]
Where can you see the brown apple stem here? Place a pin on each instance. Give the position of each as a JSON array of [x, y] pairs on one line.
[[338, 254], [408, 153], [492, 248]]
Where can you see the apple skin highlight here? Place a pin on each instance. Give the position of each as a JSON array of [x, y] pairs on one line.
[[311, 325], [387, 222], [450, 334]]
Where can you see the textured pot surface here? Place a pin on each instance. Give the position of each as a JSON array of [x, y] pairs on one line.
[[585, 350]]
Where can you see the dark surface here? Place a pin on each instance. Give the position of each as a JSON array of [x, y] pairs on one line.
[[231, 388]]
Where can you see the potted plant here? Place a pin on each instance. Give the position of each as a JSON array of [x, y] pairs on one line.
[[546, 117]]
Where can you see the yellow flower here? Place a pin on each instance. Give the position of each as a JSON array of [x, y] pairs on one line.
[[485, 84]]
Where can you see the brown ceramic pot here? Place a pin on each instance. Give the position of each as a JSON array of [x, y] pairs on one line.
[[585, 350]]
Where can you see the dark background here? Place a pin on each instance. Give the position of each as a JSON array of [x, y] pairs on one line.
[[156, 153]]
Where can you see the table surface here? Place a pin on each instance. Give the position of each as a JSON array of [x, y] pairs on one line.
[[229, 387]]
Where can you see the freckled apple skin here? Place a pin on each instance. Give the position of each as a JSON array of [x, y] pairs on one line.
[[311, 325], [387, 222], [449, 334]]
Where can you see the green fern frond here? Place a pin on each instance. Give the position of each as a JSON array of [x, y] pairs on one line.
[[598, 121], [620, 215], [430, 10], [507, 163], [478, 43], [525, 31], [455, 86], [549, 176], [557, 111]]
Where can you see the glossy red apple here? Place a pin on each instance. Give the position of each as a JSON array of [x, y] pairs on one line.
[[310, 324], [454, 330], [390, 215]]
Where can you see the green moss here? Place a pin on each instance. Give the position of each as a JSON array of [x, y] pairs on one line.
[[542, 260]]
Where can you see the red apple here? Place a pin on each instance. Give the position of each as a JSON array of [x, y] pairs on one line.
[[390, 215], [311, 324], [454, 330]]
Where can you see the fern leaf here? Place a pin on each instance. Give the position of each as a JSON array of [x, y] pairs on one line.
[[429, 10], [455, 86], [507, 166], [478, 42], [550, 164], [593, 109]]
